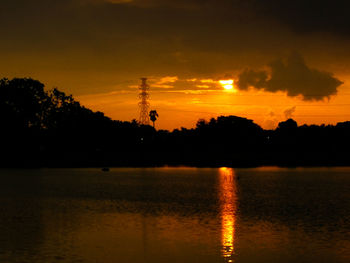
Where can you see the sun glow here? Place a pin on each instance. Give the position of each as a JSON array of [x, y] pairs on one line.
[[227, 84]]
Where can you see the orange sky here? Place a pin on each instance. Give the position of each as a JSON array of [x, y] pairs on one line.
[[182, 108], [97, 50]]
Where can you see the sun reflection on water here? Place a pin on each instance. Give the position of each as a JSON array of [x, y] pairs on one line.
[[228, 209]]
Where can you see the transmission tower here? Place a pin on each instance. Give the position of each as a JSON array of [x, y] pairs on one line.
[[144, 104]]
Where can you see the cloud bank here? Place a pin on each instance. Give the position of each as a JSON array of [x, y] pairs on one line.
[[293, 77]]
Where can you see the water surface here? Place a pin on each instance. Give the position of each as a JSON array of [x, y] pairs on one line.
[[175, 215]]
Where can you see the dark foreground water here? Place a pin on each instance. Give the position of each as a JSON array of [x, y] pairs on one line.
[[175, 215]]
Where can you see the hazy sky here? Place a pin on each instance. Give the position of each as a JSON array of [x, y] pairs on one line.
[[287, 58]]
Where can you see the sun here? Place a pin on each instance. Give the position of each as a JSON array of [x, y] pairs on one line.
[[227, 84]]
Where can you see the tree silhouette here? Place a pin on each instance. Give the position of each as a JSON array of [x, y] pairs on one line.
[[23, 102], [50, 128], [153, 116]]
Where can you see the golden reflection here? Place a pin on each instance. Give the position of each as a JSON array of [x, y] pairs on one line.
[[227, 194]]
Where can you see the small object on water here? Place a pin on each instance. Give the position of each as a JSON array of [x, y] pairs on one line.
[[105, 169]]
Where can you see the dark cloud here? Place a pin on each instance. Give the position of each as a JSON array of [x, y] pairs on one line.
[[252, 78], [111, 40], [308, 16], [195, 25], [299, 15], [181, 4], [292, 76]]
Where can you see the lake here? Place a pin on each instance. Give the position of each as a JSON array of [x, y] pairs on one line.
[[184, 214]]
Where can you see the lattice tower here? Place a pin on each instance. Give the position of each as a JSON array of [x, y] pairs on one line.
[[144, 104]]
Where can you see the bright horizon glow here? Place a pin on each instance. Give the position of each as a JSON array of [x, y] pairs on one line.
[[188, 101], [227, 84]]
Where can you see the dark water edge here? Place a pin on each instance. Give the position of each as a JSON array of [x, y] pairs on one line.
[[193, 159]]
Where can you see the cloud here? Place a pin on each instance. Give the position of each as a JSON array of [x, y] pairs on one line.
[[288, 113], [203, 86], [188, 86], [298, 15], [100, 1], [118, 1], [168, 79], [207, 81], [165, 82], [180, 4], [270, 122], [197, 84], [111, 40], [251, 78], [292, 76], [308, 16]]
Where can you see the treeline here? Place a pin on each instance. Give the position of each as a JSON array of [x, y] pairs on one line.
[[49, 128]]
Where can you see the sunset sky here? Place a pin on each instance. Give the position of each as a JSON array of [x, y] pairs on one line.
[[283, 58]]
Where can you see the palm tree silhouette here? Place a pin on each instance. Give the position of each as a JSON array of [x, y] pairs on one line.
[[153, 115]]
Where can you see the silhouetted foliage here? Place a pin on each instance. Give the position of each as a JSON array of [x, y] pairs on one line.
[[23, 103], [288, 125], [50, 128], [153, 115]]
